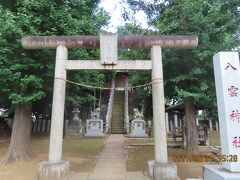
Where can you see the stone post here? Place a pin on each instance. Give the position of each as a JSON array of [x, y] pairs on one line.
[[43, 125], [174, 132], [48, 125], [35, 125], [210, 124], [176, 120], [159, 168], [184, 137], [180, 123], [171, 125], [197, 121], [217, 125], [167, 123], [39, 125], [55, 168]]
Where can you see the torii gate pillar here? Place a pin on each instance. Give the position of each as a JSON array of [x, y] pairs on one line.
[[55, 167], [160, 168]]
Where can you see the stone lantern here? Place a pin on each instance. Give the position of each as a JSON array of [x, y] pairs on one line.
[[76, 113], [74, 127]]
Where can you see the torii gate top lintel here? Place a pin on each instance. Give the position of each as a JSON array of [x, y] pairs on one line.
[[124, 42]]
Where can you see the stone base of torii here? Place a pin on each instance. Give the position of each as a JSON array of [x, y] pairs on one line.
[[55, 167]]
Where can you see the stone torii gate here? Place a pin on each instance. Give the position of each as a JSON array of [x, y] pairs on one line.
[[55, 167]]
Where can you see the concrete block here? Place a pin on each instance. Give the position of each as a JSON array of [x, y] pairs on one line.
[[53, 171], [217, 172], [162, 171]]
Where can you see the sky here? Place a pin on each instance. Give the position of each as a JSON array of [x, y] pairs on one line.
[[115, 8]]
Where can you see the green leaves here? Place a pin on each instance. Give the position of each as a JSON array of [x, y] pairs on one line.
[[17, 98], [30, 82], [215, 26], [81, 95], [27, 75], [188, 74]]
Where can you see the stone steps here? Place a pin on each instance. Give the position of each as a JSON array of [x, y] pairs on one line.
[[120, 126], [116, 129], [118, 114], [117, 121], [117, 132], [116, 125]]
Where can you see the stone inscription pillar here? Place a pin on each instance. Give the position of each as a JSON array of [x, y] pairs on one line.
[[227, 75]]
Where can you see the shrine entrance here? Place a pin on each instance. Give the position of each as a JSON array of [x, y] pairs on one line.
[[55, 167]]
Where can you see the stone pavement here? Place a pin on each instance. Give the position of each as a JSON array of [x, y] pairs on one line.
[[111, 164], [136, 175]]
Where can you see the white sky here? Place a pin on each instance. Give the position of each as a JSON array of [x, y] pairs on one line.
[[115, 8]]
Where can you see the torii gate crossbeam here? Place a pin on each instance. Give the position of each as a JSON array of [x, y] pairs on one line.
[[124, 42]]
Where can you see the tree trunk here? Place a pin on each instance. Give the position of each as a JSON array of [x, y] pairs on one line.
[[191, 129], [19, 148]]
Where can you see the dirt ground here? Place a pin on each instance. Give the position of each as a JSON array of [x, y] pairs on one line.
[[82, 154], [139, 155]]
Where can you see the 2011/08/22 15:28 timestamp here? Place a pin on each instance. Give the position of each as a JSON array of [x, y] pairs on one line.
[[204, 158]]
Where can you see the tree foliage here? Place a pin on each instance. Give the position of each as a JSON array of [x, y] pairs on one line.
[[27, 75], [188, 74], [191, 72]]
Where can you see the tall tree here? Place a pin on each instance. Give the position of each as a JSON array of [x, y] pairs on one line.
[[189, 73], [25, 75]]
